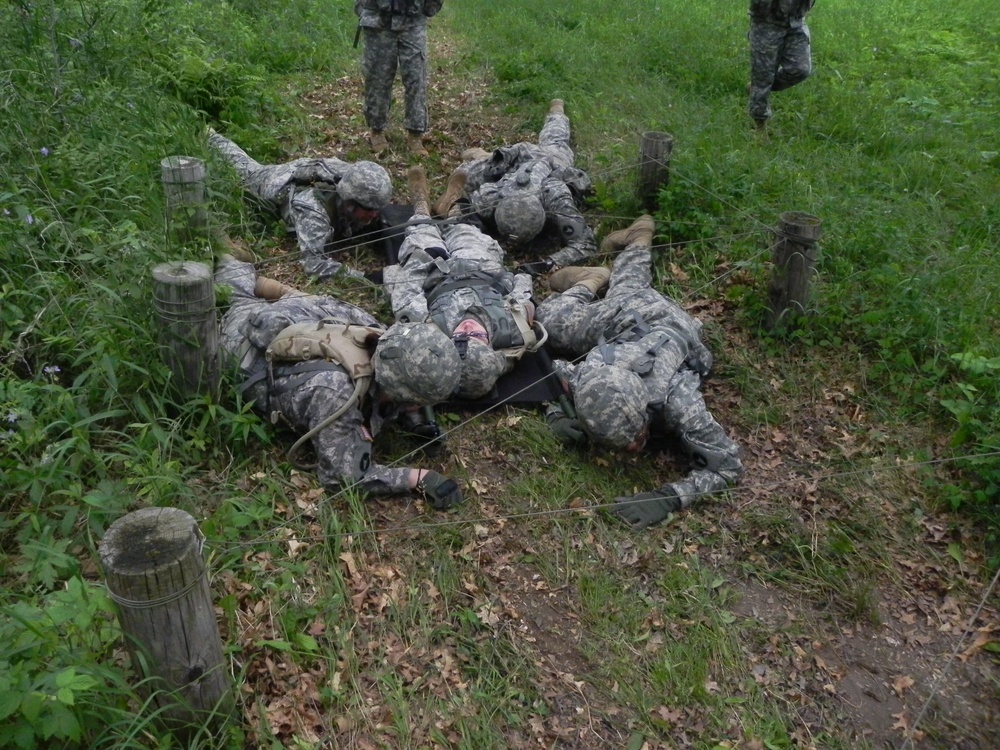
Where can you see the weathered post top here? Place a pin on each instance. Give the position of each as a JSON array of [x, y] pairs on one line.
[[655, 149], [148, 540], [155, 573]]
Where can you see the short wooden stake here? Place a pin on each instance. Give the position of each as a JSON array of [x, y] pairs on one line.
[[155, 572], [187, 208], [655, 149], [794, 257], [184, 299]]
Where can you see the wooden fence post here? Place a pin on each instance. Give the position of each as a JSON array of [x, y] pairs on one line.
[[184, 186], [794, 257], [655, 149], [155, 573], [184, 299]]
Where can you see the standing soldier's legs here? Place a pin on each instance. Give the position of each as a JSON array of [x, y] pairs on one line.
[[413, 71], [795, 60], [378, 66], [766, 42], [554, 137]]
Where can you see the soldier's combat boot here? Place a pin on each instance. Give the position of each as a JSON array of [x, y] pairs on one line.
[[378, 142], [556, 107], [416, 180], [475, 154], [640, 233], [452, 192], [272, 289], [592, 277], [415, 143]]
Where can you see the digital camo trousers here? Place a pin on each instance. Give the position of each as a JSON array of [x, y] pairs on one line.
[[385, 51], [780, 57]]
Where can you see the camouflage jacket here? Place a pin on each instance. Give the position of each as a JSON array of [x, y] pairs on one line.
[[395, 15], [780, 11], [431, 257], [301, 395]]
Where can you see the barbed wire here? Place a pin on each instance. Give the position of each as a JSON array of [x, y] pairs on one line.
[[392, 233], [939, 678], [739, 489]]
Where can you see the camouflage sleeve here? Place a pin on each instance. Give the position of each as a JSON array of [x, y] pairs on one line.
[[269, 183], [406, 287], [577, 250], [309, 171], [306, 214], [344, 448], [485, 199], [522, 288], [569, 318], [564, 370]]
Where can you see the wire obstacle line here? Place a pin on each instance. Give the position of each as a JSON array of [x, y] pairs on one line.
[[739, 489], [939, 678], [395, 232]]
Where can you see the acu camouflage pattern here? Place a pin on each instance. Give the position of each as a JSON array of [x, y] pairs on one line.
[[394, 40], [637, 328], [481, 368], [417, 363], [545, 168], [450, 272], [610, 403], [432, 254], [780, 55], [303, 192], [367, 184], [305, 399], [519, 216]]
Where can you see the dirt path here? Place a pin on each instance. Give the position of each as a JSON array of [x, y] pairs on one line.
[[859, 605]]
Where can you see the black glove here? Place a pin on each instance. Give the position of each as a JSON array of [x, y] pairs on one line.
[[566, 429], [647, 508], [441, 491], [536, 267]]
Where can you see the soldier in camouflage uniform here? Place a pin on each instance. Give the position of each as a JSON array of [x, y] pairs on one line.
[[528, 189], [395, 33], [320, 200], [304, 394], [779, 51], [452, 275], [643, 368]]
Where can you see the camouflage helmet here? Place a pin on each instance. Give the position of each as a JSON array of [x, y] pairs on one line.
[[481, 368], [520, 216], [367, 184], [610, 403], [417, 363]]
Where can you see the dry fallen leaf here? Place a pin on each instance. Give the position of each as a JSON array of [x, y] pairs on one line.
[[901, 684]]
